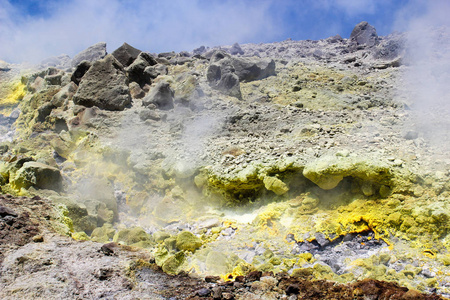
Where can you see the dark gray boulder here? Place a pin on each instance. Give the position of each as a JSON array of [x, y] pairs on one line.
[[161, 96], [364, 34], [221, 74], [236, 49], [154, 71], [136, 71], [104, 85], [126, 54], [199, 50], [80, 70], [249, 69], [226, 72], [93, 53]]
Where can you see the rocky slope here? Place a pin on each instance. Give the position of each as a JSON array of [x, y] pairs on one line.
[[280, 168]]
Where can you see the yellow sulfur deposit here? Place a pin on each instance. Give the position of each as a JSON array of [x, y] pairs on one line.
[[17, 91]]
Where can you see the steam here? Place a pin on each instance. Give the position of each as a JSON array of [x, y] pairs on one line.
[[68, 27], [428, 74]]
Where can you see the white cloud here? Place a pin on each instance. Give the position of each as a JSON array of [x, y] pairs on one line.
[[152, 26]]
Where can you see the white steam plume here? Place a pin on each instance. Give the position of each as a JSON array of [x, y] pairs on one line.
[[428, 73]]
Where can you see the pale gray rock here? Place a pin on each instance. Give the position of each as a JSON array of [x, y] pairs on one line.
[[161, 96], [236, 49], [364, 34], [65, 94], [93, 53]]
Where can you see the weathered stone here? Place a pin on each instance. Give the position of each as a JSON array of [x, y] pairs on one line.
[[275, 185], [64, 95], [126, 54], [236, 49], [249, 69], [104, 85], [161, 96], [188, 242], [80, 70], [328, 171], [364, 34], [93, 53], [131, 236], [135, 71], [37, 175]]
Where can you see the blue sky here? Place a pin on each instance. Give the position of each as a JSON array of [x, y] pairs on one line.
[[31, 30]]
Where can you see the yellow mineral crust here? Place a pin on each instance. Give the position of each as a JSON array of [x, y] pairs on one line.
[[13, 94]]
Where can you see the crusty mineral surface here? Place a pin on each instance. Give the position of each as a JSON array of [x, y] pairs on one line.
[[289, 170]]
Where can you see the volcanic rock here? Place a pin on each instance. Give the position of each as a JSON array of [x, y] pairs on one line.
[[236, 49], [364, 34], [104, 85], [80, 70], [126, 54], [93, 53], [249, 69], [161, 96], [136, 70], [38, 175], [66, 93]]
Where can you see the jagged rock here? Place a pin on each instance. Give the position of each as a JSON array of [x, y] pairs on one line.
[[135, 71], [126, 54], [65, 94], [44, 111], [154, 71], [391, 48], [80, 70], [161, 96], [221, 76], [93, 53], [188, 242], [136, 91], [225, 72], [236, 49], [104, 85], [364, 34], [199, 50], [38, 175], [249, 69], [53, 76]]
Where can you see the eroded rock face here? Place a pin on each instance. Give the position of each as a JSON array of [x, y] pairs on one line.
[[104, 85]]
